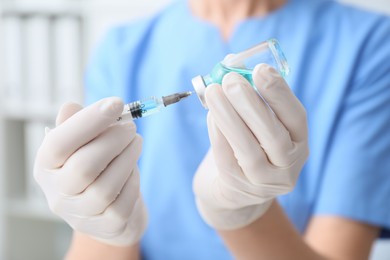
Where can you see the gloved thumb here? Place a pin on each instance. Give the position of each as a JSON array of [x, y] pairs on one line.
[[66, 111], [275, 90]]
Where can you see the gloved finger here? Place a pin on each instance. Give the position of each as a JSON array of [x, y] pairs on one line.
[[66, 111], [269, 131], [204, 179], [78, 130], [282, 100], [222, 152], [132, 230], [105, 189], [257, 185], [114, 219], [233, 60], [228, 167], [136, 224], [85, 165], [246, 147], [238, 188]]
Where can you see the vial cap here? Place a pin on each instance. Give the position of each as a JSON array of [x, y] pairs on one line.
[[200, 88]]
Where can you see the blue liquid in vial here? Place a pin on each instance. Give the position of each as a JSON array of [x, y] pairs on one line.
[[219, 71]]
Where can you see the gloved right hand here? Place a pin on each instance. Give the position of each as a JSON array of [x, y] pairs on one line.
[[259, 145], [87, 168]]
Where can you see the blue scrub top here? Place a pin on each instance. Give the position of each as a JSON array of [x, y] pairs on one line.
[[340, 60]]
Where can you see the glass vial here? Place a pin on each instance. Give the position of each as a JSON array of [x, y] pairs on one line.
[[268, 52]]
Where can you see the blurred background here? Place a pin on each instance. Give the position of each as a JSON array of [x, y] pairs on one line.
[[44, 46]]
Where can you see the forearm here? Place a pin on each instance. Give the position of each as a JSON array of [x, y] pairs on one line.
[[85, 248], [272, 236]]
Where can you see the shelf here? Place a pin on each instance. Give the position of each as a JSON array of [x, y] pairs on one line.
[[54, 7], [29, 112], [76, 8], [26, 221], [30, 210]]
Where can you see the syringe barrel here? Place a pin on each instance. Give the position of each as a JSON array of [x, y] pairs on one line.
[[141, 108]]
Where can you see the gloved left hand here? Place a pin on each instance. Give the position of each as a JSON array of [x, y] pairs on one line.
[[259, 145], [87, 168]]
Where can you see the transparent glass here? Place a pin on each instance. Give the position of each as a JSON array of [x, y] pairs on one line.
[[268, 52], [141, 108]]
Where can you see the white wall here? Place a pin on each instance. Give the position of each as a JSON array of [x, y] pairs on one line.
[[376, 5]]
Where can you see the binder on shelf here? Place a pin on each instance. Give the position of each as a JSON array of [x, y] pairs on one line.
[[13, 59], [67, 59], [38, 67], [34, 133]]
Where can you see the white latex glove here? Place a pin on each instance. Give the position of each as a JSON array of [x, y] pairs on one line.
[[256, 154], [87, 168]]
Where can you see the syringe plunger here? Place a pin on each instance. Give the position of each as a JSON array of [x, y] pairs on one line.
[[143, 108]]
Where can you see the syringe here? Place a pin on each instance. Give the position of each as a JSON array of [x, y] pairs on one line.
[[146, 107]]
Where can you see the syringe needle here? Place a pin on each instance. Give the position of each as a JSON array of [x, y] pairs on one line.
[[174, 98]]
